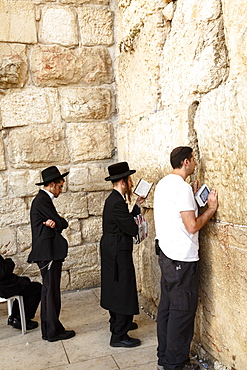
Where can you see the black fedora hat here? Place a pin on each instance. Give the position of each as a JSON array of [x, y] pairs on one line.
[[50, 174], [118, 171]]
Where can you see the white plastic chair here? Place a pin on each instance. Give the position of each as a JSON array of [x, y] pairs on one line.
[[21, 308]]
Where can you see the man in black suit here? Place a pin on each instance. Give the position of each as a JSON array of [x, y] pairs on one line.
[[49, 248], [118, 282], [11, 285]]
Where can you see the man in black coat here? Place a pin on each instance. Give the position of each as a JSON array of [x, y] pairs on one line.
[[49, 248], [11, 285], [118, 282]]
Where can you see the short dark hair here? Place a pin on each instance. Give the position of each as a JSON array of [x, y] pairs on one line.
[[57, 181], [179, 154]]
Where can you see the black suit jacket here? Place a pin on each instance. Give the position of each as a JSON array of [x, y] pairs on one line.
[[10, 283], [47, 244], [118, 282]]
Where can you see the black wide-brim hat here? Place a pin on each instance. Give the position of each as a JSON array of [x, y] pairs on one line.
[[50, 174], [118, 171]]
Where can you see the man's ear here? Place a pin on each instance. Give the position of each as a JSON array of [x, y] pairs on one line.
[[186, 162]]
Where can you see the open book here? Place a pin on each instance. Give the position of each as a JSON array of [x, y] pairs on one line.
[[143, 188]]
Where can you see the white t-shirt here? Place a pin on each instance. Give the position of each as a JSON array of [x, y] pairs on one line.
[[173, 195]]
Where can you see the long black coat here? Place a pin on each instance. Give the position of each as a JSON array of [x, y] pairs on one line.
[[10, 283], [118, 282], [47, 244]]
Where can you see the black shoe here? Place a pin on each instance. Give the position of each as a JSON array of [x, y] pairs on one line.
[[66, 334], [134, 326], [30, 325], [10, 320], [127, 342]]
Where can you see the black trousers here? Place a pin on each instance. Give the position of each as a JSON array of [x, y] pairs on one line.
[[119, 326], [176, 311], [31, 298], [51, 298]]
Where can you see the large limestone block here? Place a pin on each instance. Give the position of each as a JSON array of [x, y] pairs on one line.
[[2, 155], [72, 205], [73, 233], [96, 201], [202, 54], [132, 13], [92, 229], [8, 242], [80, 104], [24, 238], [223, 293], [236, 36], [83, 256], [22, 183], [58, 26], [80, 278], [88, 178], [3, 185], [90, 141], [221, 137], [18, 21], [96, 25], [31, 105], [138, 68], [13, 65], [80, 2], [149, 155], [13, 212], [37, 146], [56, 65]]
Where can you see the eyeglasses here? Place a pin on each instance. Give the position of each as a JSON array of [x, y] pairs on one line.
[[60, 186]]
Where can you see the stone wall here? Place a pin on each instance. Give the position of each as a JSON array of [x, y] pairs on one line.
[[181, 80], [57, 104], [177, 72]]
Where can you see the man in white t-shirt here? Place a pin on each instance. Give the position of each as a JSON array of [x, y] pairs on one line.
[[177, 224]]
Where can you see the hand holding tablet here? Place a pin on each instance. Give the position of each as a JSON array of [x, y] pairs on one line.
[[201, 195]]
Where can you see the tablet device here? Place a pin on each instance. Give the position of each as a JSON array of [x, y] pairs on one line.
[[201, 195]]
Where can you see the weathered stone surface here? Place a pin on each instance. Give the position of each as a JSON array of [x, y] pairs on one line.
[[31, 105], [80, 104], [141, 51], [56, 65], [18, 21], [92, 229], [88, 178], [96, 201], [8, 245], [96, 25], [80, 279], [72, 205], [2, 155], [90, 141], [13, 65], [13, 212], [203, 53], [236, 35], [219, 134], [224, 252], [80, 2], [73, 233], [22, 183], [58, 26], [24, 238], [37, 146], [168, 11], [3, 185], [86, 256]]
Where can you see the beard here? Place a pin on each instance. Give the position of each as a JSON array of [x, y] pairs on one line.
[[129, 191]]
